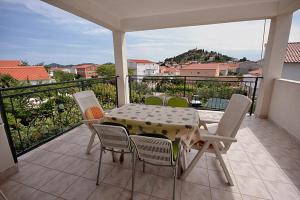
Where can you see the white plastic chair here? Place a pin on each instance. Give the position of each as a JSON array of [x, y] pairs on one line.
[[114, 139], [220, 140], [85, 100], [157, 151]]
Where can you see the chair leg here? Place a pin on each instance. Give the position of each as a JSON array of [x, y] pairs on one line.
[[121, 159], [113, 155], [174, 183], [100, 159], [195, 160], [91, 142], [133, 174], [219, 156]]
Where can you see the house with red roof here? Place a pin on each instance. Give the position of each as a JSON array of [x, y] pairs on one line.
[[87, 70], [291, 66], [32, 74], [201, 69], [143, 67], [172, 71]]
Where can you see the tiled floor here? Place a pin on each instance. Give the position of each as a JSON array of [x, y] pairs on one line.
[[264, 163]]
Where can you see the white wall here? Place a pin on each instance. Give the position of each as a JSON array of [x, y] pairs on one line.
[[144, 69], [6, 159], [285, 106], [291, 71]]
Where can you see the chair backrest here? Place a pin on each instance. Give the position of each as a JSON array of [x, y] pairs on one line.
[[85, 100], [233, 116], [154, 100], [156, 151], [178, 102], [115, 137]]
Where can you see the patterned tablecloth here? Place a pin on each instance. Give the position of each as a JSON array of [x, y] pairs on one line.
[[172, 122]]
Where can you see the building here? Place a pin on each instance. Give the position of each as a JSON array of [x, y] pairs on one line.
[[32, 74], [291, 66], [207, 69], [172, 71], [246, 66], [67, 69], [143, 67], [87, 70]]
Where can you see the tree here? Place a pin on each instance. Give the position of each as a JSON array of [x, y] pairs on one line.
[[24, 63], [7, 81], [61, 76], [109, 69], [243, 59]]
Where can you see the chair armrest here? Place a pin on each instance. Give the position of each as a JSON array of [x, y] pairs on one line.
[[210, 137], [91, 121]]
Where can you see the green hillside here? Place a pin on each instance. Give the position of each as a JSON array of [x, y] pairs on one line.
[[199, 55]]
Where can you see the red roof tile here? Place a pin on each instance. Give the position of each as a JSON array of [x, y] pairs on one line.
[[140, 61], [24, 73], [292, 53], [201, 66], [10, 63]]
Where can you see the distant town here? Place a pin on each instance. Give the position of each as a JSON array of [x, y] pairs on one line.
[[195, 62]]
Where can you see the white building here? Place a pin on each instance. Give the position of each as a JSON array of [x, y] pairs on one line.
[[291, 66], [143, 67]]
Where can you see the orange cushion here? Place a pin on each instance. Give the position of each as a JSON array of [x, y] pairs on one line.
[[94, 112]]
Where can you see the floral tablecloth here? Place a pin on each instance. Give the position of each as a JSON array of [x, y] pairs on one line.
[[172, 122]]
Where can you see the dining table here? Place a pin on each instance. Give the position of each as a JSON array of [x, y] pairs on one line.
[[172, 122]]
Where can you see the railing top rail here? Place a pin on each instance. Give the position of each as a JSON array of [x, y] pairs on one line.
[[51, 84], [213, 77]]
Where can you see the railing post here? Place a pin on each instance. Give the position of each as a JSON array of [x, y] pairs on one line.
[[116, 85], [7, 130], [184, 86], [129, 85], [82, 85], [253, 95]]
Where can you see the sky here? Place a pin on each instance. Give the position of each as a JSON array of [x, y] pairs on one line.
[[36, 32]]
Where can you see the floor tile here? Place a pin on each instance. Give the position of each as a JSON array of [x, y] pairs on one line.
[[126, 195], [224, 195], [25, 171], [144, 183], [163, 188], [59, 183], [62, 162], [252, 187], [105, 192], [81, 189], [272, 174], [198, 176], [40, 178], [91, 173], [192, 191], [46, 158], [118, 177], [281, 191], [243, 169], [79, 167], [217, 180]]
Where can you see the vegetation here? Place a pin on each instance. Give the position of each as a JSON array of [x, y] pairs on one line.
[[7, 81], [199, 55], [61, 76], [109, 70]]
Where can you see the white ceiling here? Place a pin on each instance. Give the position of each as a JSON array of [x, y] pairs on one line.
[[135, 15]]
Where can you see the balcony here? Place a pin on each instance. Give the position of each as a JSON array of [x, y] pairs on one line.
[[53, 164], [264, 163]]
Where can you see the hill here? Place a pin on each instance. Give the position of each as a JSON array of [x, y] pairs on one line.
[[199, 55]]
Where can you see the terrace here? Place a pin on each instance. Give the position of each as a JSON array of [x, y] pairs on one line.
[[47, 143]]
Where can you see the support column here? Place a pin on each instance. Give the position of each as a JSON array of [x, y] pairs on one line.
[[121, 67], [273, 60]]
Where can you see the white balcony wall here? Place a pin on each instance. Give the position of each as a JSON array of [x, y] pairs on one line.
[[285, 106]]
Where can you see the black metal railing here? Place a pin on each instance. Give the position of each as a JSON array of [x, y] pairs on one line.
[[33, 115], [211, 93]]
